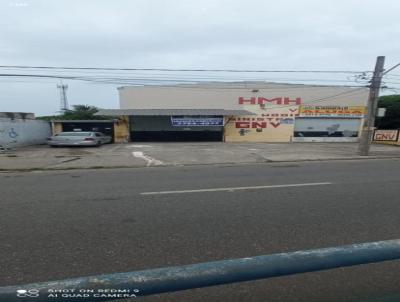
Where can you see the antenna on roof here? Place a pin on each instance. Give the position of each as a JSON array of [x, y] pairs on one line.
[[63, 96]]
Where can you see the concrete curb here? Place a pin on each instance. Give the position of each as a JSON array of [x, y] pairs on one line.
[[267, 161]]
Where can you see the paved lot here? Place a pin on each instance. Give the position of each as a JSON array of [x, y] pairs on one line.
[[176, 154], [59, 224]]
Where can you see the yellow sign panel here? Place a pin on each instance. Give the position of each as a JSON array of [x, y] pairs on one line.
[[267, 125], [332, 111]]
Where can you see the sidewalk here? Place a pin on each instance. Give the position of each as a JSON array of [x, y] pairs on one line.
[[181, 154]]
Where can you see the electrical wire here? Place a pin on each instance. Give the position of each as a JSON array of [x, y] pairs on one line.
[[180, 70], [99, 80], [148, 80], [323, 99]]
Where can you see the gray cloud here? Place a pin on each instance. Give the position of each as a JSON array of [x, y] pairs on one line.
[[253, 34]]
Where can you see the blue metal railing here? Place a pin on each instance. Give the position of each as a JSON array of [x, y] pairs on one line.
[[168, 279]]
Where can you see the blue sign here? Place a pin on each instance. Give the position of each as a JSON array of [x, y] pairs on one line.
[[201, 121]]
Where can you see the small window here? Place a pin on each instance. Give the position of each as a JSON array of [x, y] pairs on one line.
[[98, 134]]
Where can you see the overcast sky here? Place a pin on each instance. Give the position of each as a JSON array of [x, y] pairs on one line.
[[213, 34]]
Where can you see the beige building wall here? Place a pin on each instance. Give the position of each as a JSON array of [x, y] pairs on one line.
[[56, 127], [275, 105], [121, 130], [268, 125], [226, 96]]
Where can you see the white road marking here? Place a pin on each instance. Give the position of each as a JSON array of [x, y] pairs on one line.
[[149, 160], [238, 188]]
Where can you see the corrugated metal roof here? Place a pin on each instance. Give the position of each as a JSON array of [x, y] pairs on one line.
[[160, 112], [82, 121]]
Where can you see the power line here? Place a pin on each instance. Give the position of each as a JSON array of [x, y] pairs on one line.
[[133, 80], [113, 77], [183, 70], [324, 99], [391, 82], [390, 69]]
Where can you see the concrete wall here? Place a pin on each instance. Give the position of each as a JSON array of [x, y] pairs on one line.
[[325, 139], [17, 115], [19, 132]]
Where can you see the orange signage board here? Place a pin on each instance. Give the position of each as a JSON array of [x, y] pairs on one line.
[[332, 111]]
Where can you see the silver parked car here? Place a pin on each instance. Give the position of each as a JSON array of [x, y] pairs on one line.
[[80, 138]]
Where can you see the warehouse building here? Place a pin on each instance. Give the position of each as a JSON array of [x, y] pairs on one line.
[[239, 112]]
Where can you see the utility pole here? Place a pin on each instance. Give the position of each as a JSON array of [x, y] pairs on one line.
[[63, 97], [366, 133]]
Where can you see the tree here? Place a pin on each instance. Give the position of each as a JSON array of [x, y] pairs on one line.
[[79, 112], [391, 120]]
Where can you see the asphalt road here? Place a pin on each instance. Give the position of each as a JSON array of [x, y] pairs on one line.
[[56, 225]]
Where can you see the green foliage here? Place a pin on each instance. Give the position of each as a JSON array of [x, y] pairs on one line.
[[79, 112], [391, 120]]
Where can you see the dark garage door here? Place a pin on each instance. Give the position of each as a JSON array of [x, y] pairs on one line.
[[106, 128], [161, 129]]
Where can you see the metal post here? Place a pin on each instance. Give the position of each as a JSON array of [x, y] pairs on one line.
[[366, 133], [63, 97], [169, 279]]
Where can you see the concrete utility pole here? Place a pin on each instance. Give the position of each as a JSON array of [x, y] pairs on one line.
[[63, 97], [366, 134]]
